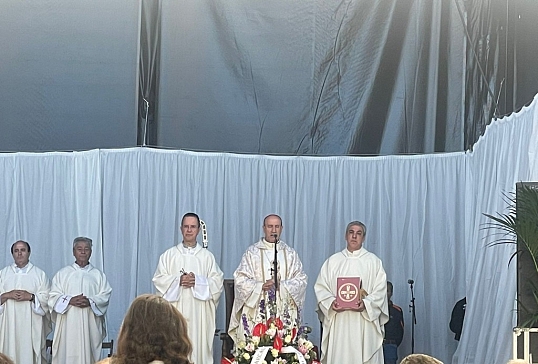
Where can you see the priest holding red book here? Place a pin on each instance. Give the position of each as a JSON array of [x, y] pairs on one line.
[[351, 291]]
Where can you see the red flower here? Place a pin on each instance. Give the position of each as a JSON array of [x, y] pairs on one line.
[[293, 333], [277, 322], [259, 329], [277, 344]]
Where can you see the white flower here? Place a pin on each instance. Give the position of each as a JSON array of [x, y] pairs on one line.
[[307, 344], [271, 332], [241, 345], [250, 347], [287, 339], [246, 356], [274, 353], [256, 340]]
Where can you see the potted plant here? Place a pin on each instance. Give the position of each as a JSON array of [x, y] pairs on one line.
[[519, 226]]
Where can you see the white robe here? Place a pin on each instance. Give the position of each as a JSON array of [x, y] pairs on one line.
[[352, 337], [79, 332], [24, 325], [197, 304], [249, 277]]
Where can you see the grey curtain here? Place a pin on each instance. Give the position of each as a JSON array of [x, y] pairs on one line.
[[330, 77], [68, 74], [311, 77]]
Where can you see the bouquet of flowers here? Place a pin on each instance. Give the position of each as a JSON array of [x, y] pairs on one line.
[[274, 340]]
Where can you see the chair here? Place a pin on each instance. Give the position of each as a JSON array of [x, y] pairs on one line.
[[227, 342], [48, 351], [107, 345], [110, 346]]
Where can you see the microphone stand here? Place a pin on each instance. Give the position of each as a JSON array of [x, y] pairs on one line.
[[413, 316], [275, 266]]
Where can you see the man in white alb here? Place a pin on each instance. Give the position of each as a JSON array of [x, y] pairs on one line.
[[253, 279], [24, 319], [189, 277], [353, 335], [79, 299]]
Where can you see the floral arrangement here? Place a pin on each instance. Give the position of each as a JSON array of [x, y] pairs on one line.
[[274, 340]]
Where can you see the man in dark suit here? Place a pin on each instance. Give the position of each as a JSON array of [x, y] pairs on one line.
[[394, 330], [456, 319]]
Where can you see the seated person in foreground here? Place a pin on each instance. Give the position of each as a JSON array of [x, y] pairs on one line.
[[420, 359], [153, 331], [5, 359]]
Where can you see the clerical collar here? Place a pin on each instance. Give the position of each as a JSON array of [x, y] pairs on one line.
[[267, 245], [356, 253], [22, 269], [188, 249], [86, 267]]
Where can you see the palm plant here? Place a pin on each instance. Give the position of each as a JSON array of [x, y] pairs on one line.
[[520, 224]]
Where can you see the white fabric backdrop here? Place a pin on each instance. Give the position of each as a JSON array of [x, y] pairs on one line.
[[423, 215]]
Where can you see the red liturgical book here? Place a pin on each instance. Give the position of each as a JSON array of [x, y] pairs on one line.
[[348, 291]]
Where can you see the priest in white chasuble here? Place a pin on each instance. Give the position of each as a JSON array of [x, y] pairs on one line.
[[24, 317], [79, 298], [253, 279], [189, 277], [353, 335]]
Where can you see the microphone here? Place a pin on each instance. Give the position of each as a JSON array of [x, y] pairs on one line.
[[275, 236], [410, 281]]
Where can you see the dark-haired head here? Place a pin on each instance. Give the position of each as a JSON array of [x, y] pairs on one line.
[[21, 241], [190, 214]]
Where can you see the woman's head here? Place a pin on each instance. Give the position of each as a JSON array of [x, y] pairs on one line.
[[153, 329], [420, 359], [4, 359]]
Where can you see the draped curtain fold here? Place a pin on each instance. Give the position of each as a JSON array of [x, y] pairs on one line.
[[316, 77], [331, 77], [149, 58]]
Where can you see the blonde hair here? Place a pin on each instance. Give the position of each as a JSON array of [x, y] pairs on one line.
[[420, 359], [4, 359], [153, 329]]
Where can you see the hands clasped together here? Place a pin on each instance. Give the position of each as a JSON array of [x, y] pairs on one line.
[[360, 307], [187, 280], [18, 295], [80, 301]]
